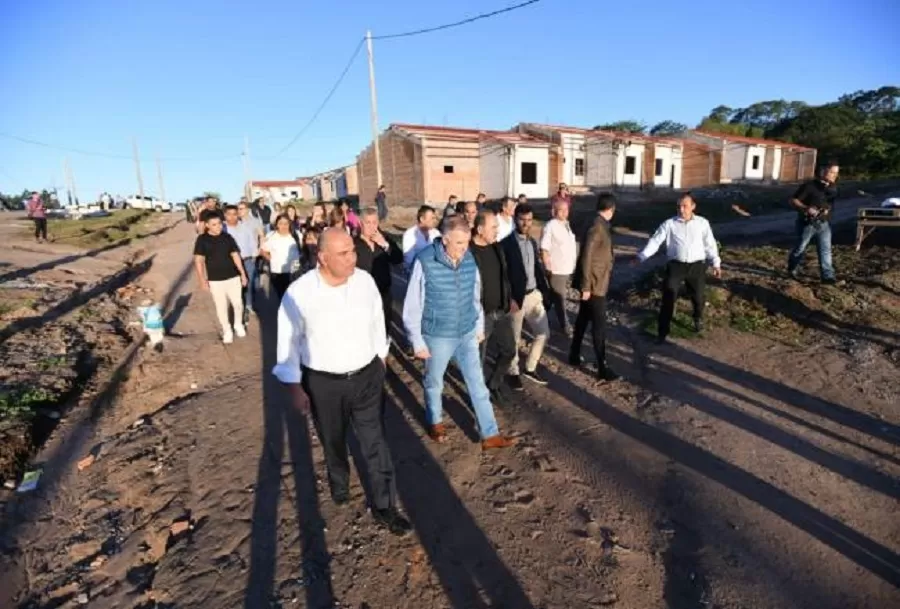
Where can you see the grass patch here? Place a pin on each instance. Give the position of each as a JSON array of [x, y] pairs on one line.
[[97, 232], [22, 403]]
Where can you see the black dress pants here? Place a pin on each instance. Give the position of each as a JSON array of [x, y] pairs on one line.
[[339, 402], [499, 339], [692, 274], [591, 312], [280, 282]]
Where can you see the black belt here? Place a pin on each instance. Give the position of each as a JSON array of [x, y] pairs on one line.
[[338, 376]]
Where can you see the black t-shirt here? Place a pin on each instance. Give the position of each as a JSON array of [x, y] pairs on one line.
[[489, 266], [378, 261], [217, 251], [817, 193]]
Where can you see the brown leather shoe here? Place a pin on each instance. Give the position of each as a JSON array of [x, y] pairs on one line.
[[438, 433], [497, 441]]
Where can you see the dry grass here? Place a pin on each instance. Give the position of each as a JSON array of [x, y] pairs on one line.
[[93, 232]]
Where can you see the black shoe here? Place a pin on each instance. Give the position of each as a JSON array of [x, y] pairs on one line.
[[340, 499], [391, 519], [535, 377], [515, 382], [501, 396], [575, 360], [794, 274], [606, 375], [698, 326], [829, 281]]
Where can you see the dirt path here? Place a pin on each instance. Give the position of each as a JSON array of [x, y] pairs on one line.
[[712, 477]]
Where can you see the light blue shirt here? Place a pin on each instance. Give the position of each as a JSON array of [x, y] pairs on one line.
[[414, 306], [246, 235]]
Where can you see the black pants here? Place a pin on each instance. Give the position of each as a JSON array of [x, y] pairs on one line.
[[338, 402], [40, 228], [387, 304], [498, 338], [280, 281], [559, 288], [591, 312], [692, 274]]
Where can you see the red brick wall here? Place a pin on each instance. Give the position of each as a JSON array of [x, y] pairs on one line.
[[700, 165], [464, 182]]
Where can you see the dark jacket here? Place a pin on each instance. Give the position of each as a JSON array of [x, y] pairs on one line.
[[595, 261], [378, 261], [516, 268], [504, 274]]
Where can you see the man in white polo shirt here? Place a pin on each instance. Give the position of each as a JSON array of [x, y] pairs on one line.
[[559, 254], [689, 244], [418, 237], [331, 350]]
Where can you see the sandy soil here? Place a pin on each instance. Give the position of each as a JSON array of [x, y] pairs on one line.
[[730, 472]]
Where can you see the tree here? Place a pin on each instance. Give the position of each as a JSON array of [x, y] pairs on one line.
[[668, 128], [629, 126]]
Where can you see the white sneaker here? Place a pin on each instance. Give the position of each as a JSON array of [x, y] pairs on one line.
[[228, 338], [239, 331]]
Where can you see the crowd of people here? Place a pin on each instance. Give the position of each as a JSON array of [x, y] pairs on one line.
[[474, 280]]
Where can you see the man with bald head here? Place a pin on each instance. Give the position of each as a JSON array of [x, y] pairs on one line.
[[331, 349], [444, 319]]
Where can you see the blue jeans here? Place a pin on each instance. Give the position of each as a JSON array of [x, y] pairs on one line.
[[465, 351], [821, 231], [250, 269]]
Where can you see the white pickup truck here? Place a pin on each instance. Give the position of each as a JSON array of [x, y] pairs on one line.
[[147, 202]]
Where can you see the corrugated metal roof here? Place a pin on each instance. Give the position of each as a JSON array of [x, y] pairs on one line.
[[743, 139]]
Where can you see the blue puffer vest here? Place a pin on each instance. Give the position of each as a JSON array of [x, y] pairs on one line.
[[449, 293]]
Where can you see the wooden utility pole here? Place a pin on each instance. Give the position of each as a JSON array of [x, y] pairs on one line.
[[137, 167], [374, 110], [159, 176]]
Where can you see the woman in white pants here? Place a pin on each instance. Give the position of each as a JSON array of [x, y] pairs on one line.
[[220, 270]]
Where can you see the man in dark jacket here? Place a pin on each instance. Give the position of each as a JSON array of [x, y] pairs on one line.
[[591, 279], [528, 286], [375, 254], [495, 300], [814, 202]]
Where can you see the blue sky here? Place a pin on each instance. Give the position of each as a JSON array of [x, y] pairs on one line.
[[189, 79]]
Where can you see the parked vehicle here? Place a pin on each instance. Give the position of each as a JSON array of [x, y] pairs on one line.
[[147, 202]]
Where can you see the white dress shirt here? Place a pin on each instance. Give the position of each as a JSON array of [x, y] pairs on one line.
[[334, 329], [413, 243], [558, 239], [686, 241], [505, 226], [283, 251]]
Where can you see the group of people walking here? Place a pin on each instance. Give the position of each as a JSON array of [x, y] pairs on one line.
[[472, 286]]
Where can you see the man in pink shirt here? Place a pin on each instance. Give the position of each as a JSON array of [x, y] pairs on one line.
[[36, 211]]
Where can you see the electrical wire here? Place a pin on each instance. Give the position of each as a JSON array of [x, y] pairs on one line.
[[457, 23]]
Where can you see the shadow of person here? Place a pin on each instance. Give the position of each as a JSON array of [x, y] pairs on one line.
[[463, 557], [279, 418]]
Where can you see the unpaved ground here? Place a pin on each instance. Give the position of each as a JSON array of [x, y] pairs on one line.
[[733, 471]]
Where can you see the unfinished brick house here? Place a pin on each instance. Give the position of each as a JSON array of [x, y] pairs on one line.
[[750, 159]]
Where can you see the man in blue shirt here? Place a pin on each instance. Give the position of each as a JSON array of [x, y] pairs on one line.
[[444, 319], [247, 232]]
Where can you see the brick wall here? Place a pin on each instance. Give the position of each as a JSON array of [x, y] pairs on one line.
[[790, 166], [464, 181], [556, 170], [350, 174], [648, 170], [700, 165], [400, 171]]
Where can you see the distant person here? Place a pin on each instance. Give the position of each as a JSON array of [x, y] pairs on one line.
[[261, 211], [444, 320], [690, 243], [468, 210], [281, 249], [330, 356], [316, 219], [522, 200], [480, 201], [353, 224], [592, 277], [38, 214], [506, 222], [418, 237], [528, 282], [220, 271], [814, 202], [562, 194], [559, 252], [376, 254], [381, 203], [449, 211]]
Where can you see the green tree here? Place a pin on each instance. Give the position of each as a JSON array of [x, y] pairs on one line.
[[629, 126], [668, 128]]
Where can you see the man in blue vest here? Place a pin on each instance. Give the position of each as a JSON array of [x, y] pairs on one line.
[[444, 320]]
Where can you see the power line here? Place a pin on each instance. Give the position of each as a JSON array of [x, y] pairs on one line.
[[457, 23], [325, 101]]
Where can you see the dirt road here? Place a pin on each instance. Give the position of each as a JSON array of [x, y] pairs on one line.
[[730, 472]]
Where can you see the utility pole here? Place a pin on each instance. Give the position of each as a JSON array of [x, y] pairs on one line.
[[374, 108], [159, 176], [137, 167], [70, 200], [248, 185]]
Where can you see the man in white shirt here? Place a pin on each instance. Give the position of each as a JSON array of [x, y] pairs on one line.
[[418, 237], [689, 244], [559, 253], [506, 218], [331, 350]]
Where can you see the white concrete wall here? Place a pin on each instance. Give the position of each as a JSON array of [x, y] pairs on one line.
[[540, 156], [494, 170], [776, 163], [601, 163], [671, 157], [758, 152], [633, 179], [572, 148]]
